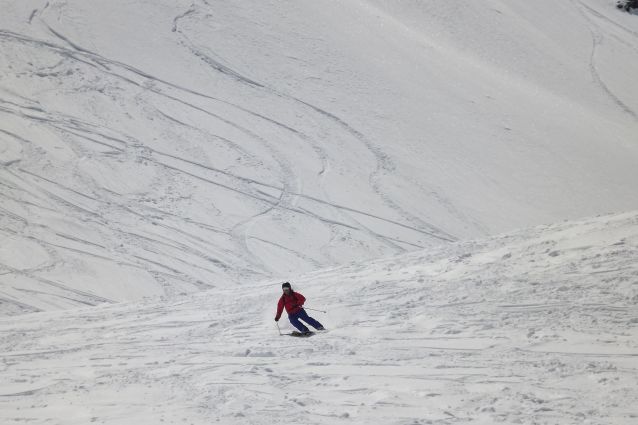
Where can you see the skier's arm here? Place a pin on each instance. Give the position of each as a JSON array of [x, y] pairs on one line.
[[280, 308], [300, 299]]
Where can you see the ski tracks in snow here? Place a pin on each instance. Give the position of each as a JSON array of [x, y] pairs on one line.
[[514, 329], [384, 165], [597, 40], [239, 127]]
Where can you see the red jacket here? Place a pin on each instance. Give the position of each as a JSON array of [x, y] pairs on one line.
[[293, 303]]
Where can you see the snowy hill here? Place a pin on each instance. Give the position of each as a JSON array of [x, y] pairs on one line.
[[163, 147], [539, 326]]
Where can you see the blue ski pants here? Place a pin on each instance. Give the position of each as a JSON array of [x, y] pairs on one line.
[[302, 315]]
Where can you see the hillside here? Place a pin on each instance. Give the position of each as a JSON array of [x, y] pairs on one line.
[[538, 326], [155, 148]]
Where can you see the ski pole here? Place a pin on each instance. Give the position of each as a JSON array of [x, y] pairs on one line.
[[278, 328], [314, 309]]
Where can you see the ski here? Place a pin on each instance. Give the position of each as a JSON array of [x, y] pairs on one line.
[[299, 334]]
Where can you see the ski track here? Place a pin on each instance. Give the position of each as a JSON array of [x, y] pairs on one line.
[[597, 39], [88, 132], [37, 13], [181, 16], [178, 247], [383, 162]]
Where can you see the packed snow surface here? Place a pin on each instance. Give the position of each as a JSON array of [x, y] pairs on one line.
[[162, 147], [536, 327]]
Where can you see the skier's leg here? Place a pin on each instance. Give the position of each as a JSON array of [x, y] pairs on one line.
[[309, 320], [294, 319]]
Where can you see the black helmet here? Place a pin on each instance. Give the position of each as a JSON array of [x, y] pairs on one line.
[[286, 285]]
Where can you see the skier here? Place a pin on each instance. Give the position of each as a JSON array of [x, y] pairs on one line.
[[293, 301]]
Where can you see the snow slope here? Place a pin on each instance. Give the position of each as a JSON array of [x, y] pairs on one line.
[[538, 326], [163, 147]]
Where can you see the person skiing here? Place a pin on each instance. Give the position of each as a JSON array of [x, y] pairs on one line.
[[293, 301]]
